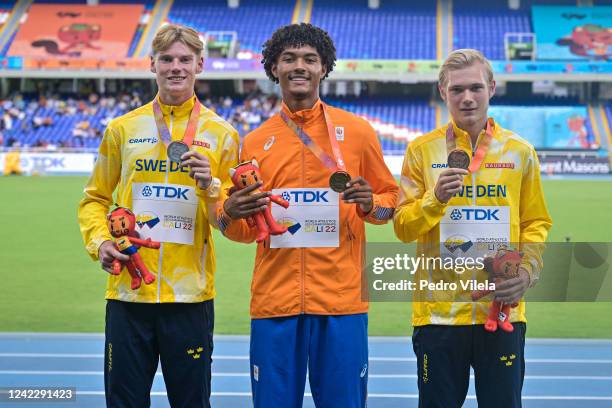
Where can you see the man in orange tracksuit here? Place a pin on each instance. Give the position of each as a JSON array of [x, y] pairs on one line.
[[307, 307]]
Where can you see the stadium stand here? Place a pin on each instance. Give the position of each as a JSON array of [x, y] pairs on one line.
[[481, 24], [72, 122], [397, 30], [396, 120], [148, 3], [254, 20]]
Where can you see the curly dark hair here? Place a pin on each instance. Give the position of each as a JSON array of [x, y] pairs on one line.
[[298, 35]]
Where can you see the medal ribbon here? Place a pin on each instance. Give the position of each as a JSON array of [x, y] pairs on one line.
[[190, 130], [483, 146], [319, 153]]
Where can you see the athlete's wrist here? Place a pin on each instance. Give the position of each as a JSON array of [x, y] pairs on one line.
[[213, 188]]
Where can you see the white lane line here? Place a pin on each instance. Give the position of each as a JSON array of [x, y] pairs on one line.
[[93, 355], [96, 373], [403, 396], [386, 359], [529, 360], [246, 374], [245, 338]]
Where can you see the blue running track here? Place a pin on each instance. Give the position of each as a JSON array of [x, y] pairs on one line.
[[560, 373]]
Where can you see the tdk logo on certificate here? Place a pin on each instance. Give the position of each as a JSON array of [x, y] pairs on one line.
[[474, 230], [312, 219], [165, 212]]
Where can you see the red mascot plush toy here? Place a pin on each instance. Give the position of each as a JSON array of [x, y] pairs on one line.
[[244, 175], [121, 223], [504, 265]]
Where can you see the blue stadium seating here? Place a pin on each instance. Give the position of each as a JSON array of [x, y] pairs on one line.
[[147, 3], [482, 25], [415, 115], [397, 120], [254, 20], [397, 30], [135, 41], [527, 4], [61, 130]]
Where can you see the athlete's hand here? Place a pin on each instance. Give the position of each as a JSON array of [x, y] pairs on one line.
[[449, 183], [199, 168], [512, 290], [107, 253], [359, 192], [241, 203]]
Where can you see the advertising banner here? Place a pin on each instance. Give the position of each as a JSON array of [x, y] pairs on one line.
[[549, 127], [77, 31], [47, 163], [553, 165], [573, 33]]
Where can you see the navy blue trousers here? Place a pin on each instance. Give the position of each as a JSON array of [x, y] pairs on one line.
[[138, 335]]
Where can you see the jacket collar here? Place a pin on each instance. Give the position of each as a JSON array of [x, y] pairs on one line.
[[305, 115], [461, 134], [177, 110]]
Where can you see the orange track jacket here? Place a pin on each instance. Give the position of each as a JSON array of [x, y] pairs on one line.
[[316, 280]]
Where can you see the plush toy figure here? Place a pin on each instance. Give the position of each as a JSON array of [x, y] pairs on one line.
[[121, 223], [503, 266], [244, 175]]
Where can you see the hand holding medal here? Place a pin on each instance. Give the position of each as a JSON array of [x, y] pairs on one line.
[[459, 163], [450, 180], [338, 181], [199, 168], [359, 191]]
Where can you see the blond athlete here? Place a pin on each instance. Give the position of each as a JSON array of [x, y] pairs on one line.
[[435, 204], [172, 319]]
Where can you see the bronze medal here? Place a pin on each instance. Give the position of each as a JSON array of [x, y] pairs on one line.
[[458, 159], [175, 150], [338, 181]]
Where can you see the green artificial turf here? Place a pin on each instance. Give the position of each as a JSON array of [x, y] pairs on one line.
[[50, 284]]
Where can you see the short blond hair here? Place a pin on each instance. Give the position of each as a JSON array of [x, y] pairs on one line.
[[463, 58], [171, 33]]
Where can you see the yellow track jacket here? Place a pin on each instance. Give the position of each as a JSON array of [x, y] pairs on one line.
[[132, 163], [508, 176]]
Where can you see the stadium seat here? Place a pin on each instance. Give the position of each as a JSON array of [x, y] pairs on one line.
[[254, 20], [396, 30]]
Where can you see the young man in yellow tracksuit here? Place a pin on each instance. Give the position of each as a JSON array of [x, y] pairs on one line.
[[307, 306], [175, 203], [439, 204]]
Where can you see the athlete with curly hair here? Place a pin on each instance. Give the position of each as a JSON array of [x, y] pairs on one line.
[[307, 307]]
